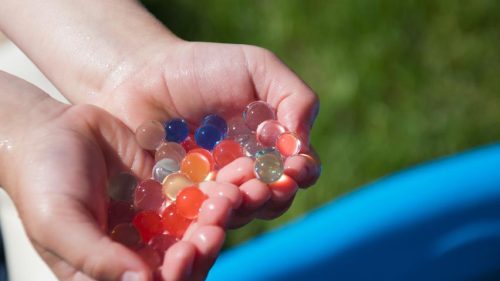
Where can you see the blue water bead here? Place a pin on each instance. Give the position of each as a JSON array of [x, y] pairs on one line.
[[216, 121], [207, 136], [176, 130]]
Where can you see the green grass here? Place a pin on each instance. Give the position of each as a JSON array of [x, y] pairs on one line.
[[400, 82]]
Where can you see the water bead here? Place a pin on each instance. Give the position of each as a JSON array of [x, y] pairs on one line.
[[268, 168], [170, 150], [150, 134], [121, 187], [216, 121], [289, 144], [163, 168], [148, 223], [189, 143], [226, 152], [119, 212], [269, 131], [207, 136], [173, 222], [195, 166], [126, 234], [173, 183], [176, 130], [189, 202], [251, 146], [207, 154], [256, 113], [268, 150], [236, 127], [148, 195]]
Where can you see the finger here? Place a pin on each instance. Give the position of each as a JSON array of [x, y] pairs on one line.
[[178, 262], [215, 211], [208, 241], [283, 189], [61, 269], [254, 193], [296, 104], [222, 189], [273, 210], [237, 172], [303, 169]]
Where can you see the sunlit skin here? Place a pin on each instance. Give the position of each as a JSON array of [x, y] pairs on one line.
[[55, 168], [115, 55]]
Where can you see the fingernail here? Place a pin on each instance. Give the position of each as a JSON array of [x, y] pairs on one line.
[[132, 276]]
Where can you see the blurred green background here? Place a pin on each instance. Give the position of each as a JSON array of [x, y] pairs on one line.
[[400, 82]]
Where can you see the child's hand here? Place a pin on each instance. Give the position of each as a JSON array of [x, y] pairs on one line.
[[56, 166], [191, 80]]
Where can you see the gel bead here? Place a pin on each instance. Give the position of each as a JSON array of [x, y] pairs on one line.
[[226, 152], [163, 168], [173, 222], [256, 113], [176, 130], [150, 134], [207, 154], [236, 127], [148, 196], [195, 166], [148, 223], [207, 136], [126, 234], [251, 146], [216, 121], [268, 150], [268, 168], [189, 143], [269, 131], [189, 202], [121, 187], [173, 183], [289, 144], [170, 150], [119, 212]]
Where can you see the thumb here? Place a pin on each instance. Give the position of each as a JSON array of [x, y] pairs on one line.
[[296, 104]]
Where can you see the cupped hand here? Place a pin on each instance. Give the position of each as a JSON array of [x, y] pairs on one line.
[[58, 171], [191, 79]]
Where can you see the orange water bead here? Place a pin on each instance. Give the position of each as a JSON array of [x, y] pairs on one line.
[[196, 166], [189, 202], [148, 223], [226, 152], [173, 183], [288, 144], [173, 222], [207, 154]]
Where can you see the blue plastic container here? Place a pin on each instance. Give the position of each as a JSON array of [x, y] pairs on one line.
[[439, 221]]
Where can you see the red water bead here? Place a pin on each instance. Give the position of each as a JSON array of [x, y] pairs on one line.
[[189, 143], [148, 196], [288, 144], [119, 212], [173, 222], [226, 152], [189, 202], [126, 234], [148, 223]]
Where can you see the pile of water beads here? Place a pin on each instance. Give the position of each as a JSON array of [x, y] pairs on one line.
[[152, 215]]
